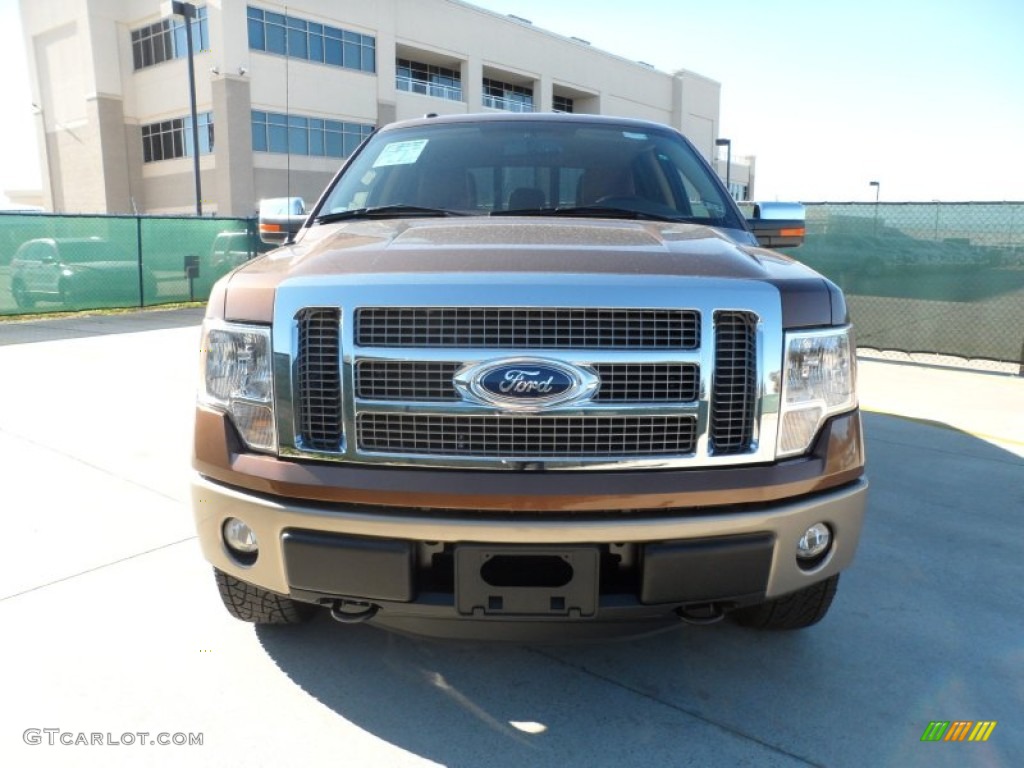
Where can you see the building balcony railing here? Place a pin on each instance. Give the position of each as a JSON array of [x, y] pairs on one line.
[[412, 85], [508, 105]]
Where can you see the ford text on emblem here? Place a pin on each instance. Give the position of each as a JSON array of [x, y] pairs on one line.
[[525, 383]]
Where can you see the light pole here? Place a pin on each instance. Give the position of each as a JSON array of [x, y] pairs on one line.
[[727, 143], [188, 11], [878, 189]]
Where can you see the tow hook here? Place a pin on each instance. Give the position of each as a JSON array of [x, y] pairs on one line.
[[353, 611], [701, 614]]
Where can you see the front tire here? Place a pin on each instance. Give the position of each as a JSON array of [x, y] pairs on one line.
[[247, 602], [797, 610], [22, 298]]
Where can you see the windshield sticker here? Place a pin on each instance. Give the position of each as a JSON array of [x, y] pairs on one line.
[[400, 153], [635, 136]]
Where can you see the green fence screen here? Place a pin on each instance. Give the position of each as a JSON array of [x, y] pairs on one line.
[[55, 263], [942, 278]]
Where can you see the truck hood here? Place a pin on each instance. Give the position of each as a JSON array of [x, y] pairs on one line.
[[524, 244]]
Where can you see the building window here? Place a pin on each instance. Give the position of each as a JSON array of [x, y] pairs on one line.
[[166, 40], [290, 36], [428, 79], [300, 135], [511, 98], [561, 104], [169, 139]]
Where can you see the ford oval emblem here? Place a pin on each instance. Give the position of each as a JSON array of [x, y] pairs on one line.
[[525, 383]]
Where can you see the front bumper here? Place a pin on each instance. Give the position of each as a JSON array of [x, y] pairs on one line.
[[319, 551]]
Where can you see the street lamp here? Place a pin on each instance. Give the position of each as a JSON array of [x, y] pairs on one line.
[[188, 11], [727, 143], [878, 188]]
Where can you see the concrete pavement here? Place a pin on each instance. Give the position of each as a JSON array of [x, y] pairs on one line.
[[112, 625]]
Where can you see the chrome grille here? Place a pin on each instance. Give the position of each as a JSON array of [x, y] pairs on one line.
[[620, 382], [734, 383], [354, 392], [527, 328], [405, 380], [526, 437], [647, 383], [319, 379]]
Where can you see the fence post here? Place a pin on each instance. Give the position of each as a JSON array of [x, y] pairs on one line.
[[138, 250]]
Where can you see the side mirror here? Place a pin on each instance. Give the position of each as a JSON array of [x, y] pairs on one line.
[[778, 225], [280, 219]]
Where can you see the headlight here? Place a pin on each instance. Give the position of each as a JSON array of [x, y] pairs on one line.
[[236, 379], [819, 382]]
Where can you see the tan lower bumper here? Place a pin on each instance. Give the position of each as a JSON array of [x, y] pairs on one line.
[[213, 503]]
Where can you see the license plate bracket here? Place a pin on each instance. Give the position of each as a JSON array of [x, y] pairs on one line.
[[526, 582]]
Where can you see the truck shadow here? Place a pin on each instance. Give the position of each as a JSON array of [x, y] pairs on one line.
[[926, 626]]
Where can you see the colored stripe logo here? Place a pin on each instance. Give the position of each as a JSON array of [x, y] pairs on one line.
[[959, 730]]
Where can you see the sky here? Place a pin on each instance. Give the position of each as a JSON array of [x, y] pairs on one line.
[[924, 96]]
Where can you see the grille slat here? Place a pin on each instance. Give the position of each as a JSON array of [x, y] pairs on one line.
[[734, 384], [405, 380], [647, 383], [401, 380], [526, 437], [527, 328], [319, 379]]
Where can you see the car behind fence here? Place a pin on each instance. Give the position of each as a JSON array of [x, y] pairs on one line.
[[941, 278], [57, 263]]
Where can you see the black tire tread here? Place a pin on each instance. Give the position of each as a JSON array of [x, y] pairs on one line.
[[248, 602], [797, 610]]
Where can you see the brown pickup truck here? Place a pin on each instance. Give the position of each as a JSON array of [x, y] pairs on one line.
[[525, 376]]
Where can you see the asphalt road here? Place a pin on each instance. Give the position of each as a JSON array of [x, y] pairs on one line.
[[112, 626]]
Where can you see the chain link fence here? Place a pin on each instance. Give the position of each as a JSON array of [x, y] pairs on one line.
[[58, 263], [943, 279]]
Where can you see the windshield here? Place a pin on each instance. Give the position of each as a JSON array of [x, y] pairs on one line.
[[530, 168]]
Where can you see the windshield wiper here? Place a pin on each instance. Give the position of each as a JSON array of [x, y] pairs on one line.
[[592, 211], [387, 212]]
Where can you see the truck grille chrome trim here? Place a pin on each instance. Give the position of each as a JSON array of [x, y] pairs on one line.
[[338, 399], [430, 381], [734, 383], [318, 374], [526, 437], [406, 380], [527, 328], [647, 383]]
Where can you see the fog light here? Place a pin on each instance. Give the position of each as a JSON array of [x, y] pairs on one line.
[[814, 543], [239, 537]]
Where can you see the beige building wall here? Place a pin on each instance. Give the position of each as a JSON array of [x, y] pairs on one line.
[[93, 104]]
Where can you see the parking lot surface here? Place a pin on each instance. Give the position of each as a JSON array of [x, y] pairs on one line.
[[112, 625]]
